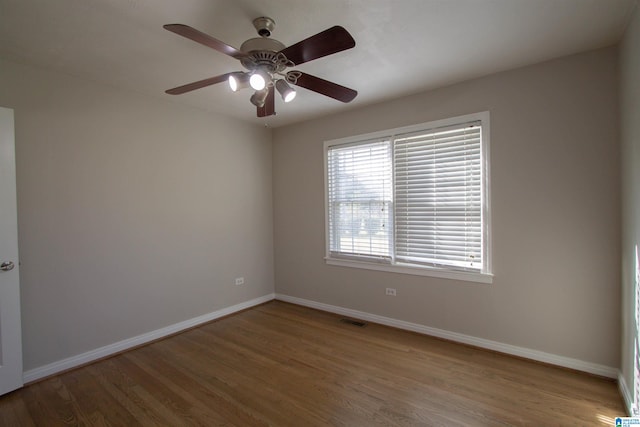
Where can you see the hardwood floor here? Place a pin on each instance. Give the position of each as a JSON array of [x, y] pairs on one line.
[[284, 365]]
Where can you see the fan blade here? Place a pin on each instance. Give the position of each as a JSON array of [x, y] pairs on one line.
[[205, 39], [199, 84], [325, 87], [334, 40], [269, 108]]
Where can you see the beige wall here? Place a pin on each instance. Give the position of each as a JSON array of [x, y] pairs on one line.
[[130, 221], [134, 213], [555, 212], [630, 137]]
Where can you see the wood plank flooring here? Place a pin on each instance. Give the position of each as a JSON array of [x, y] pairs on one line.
[[284, 365]]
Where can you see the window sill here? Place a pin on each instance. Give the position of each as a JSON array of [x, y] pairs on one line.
[[414, 270]]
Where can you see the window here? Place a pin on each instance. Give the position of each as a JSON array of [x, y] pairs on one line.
[[360, 195], [412, 200]]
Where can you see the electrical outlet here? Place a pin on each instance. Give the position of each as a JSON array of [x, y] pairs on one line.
[[239, 280], [391, 292]]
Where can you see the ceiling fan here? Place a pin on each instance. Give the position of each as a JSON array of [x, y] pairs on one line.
[[267, 60]]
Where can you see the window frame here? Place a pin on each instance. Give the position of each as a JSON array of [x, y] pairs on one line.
[[486, 275]]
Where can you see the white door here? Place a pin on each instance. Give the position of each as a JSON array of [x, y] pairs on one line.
[[10, 327]]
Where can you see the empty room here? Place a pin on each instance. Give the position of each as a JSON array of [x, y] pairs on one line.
[[319, 213]]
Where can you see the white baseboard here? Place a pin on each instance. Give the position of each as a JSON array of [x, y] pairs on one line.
[[580, 365], [108, 350], [626, 395]]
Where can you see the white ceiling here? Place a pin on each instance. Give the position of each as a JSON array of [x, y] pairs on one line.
[[402, 46]]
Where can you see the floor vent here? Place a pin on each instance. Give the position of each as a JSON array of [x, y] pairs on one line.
[[357, 323]]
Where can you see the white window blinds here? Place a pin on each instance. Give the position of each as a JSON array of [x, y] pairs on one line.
[[359, 190], [438, 198], [412, 200]]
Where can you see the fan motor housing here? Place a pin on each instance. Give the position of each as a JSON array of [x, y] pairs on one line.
[[261, 52], [261, 44]]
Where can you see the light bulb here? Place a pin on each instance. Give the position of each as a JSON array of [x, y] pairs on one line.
[[233, 83], [290, 96], [258, 81]]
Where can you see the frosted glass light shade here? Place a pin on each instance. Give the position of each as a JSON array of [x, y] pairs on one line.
[[258, 80], [259, 98], [238, 81], [286, 91]]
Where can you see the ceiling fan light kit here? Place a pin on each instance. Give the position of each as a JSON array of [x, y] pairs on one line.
[[267, 60], [259, 97], [238, 81], [286, 91]]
